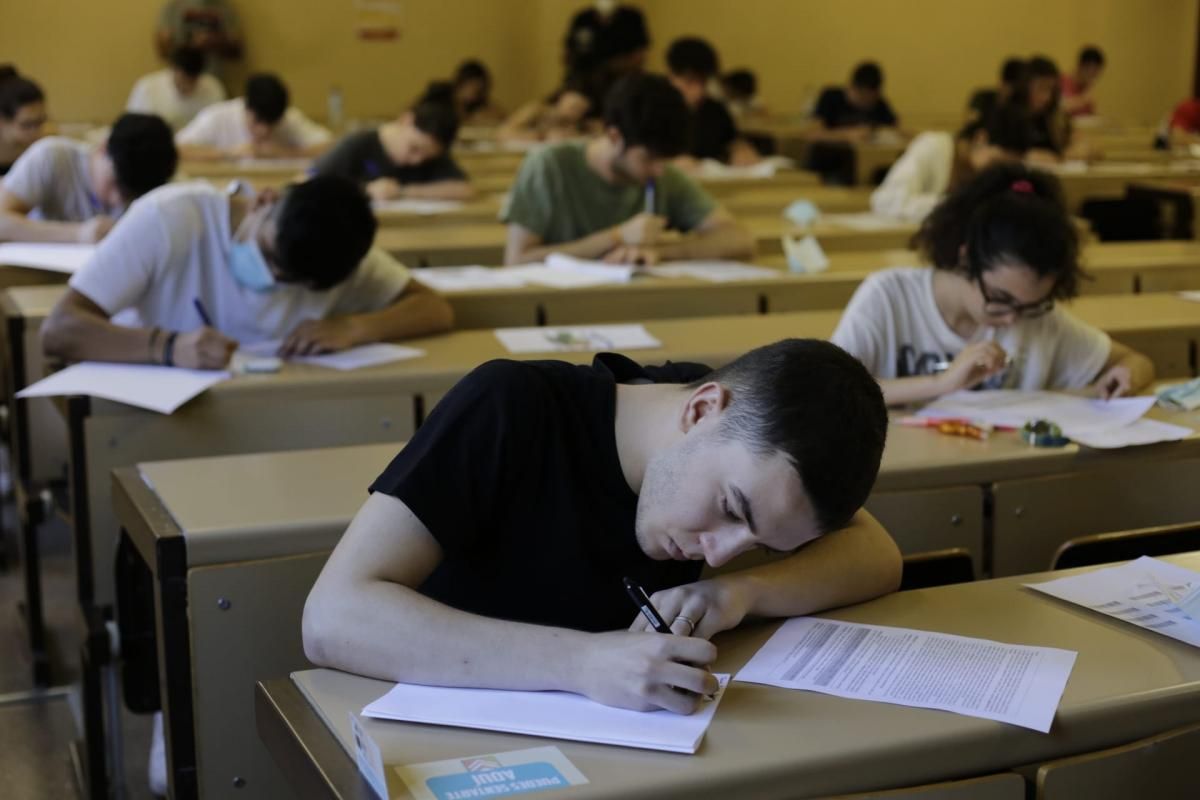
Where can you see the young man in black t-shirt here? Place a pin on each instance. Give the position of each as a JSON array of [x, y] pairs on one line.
[[406, 158], [492, 550], [854, 114], [691, 64]]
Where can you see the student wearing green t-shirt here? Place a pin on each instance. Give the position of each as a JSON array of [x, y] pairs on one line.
[[616, 196]]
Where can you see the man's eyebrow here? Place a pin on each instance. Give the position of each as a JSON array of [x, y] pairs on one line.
[[744, 508]]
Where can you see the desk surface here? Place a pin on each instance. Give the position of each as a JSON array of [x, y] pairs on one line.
[[769, 742]]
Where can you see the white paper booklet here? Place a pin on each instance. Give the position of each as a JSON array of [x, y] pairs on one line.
[[1010, 683], [464, 279], [714, 271], [367, 355], [66, 258], [1149, 593], [161, 389], [556, 715], [576, 337], [864, 221], [423, 208]]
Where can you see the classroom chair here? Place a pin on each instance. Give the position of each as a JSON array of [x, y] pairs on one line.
[[1105, 548], [1006, 786], [937, 568], [1161, 766]]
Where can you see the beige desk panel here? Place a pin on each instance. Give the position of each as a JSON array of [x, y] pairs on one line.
[[770, 742]]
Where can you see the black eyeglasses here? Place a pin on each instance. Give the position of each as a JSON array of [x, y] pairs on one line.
[[995, 306]]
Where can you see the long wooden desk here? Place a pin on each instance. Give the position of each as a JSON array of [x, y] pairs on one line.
[[254, 530], [1127, 683], [1108, 180]]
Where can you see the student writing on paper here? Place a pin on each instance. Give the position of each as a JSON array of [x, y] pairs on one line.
[[299, 268], [472, 94], [62, 190], [260, 124], [22, 117], [178, 93], [1040, 95], [1004, 251], [937, 161], [984, 101], [846, 116], [492, 550], [1077, 89], [566, 114], [589, 199], [406, 158], [691, 66]]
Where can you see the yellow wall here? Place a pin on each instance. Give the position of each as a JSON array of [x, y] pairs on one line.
[[87, 54]]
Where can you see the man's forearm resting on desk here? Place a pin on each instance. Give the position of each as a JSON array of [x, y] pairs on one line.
[[16, 226]]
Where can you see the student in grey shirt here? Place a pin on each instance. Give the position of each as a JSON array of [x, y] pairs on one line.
[[615, 196]]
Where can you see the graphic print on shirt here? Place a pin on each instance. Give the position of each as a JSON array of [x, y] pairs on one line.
[[909, 364]]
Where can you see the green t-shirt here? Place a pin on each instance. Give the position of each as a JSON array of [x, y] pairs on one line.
[[558, 197]]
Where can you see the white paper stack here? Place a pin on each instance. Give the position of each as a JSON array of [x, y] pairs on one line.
[[66, 258], [161, 389], [576, 337]]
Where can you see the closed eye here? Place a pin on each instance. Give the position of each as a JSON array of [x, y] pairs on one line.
[[728, 510]]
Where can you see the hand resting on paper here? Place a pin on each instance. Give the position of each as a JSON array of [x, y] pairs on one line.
[[320, 336], [203, 348]]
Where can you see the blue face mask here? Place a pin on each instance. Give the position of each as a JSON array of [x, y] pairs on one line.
[[249, 268]]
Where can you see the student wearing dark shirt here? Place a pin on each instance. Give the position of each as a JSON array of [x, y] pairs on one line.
[[852, 114], [22, 117], [491, 551], [406, 158], [611, 38], [691, 64], [1040, 94], [984, 101]]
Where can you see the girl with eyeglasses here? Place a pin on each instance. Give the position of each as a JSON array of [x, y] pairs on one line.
[[1004, 251]]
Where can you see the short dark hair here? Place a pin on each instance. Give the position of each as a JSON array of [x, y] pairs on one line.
[[1041, 67], [740, 83], [324, 228], [7, 71], [648, 111], [266, 97], [1008, 126], [1009, 213], [1091, 55], [17, 92], [817, 405], [142, 149], [867, 75], [188, 60], [1013, 70], [693, 57], [438, 119], [472, 70]]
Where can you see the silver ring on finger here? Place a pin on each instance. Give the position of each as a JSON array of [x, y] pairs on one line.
[[691, 625]]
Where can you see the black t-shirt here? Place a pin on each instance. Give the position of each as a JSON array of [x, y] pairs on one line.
[[593, 39], [711, 130], [983, 102], [516, 474], [836, 111], [361, 157]]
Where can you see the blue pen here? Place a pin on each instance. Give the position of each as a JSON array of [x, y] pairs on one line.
[[204, 317], [650, 205]]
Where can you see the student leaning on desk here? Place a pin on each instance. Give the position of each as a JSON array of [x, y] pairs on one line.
[[1004, 250], [614, 195], [492, 550], [298, 268]]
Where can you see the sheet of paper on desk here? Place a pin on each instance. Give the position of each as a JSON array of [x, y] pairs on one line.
[[576, 337], [1149, 593], [864, 221], [1191, 296], [714, 271], [1010, 683], [423, 208], [1076, 416], [161, 389], [1144, 431], [464, 279], [367, 355], [66, 258], [555, 715]]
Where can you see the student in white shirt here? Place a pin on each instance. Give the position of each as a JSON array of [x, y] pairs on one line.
[[937, 162], [297, 268], [1003, 250], [260, 125], [179, 93], [61, 190]]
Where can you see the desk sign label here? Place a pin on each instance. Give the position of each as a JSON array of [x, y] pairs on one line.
[[492, 775]]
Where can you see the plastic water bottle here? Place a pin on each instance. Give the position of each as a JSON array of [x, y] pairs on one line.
[[334, 108]]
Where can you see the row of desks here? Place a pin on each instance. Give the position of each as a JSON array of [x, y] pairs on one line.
[[234, 544]]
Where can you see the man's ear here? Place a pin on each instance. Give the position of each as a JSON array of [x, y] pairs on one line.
[[705, 403]]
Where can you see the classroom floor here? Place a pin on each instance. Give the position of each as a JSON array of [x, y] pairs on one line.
[[35, 736]]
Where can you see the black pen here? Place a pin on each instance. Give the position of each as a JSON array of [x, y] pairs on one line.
[[642, 600], [204, 317]]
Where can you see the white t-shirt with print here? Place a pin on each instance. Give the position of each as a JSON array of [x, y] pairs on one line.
[[51, 177], [918, 179], [893, 325], [172, 247], [223, 126], [156, 94]]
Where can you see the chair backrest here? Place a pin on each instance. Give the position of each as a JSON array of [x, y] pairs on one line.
[[937, 568], [1161, 766], [1105, 548], [1005, 786]]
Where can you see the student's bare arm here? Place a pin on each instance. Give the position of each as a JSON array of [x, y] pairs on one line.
[[525, 246], [1126, 372], [364, 615], [79, 330], [416, 311], [718, 236], [440, 190], [16, 226], [857, 563]]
